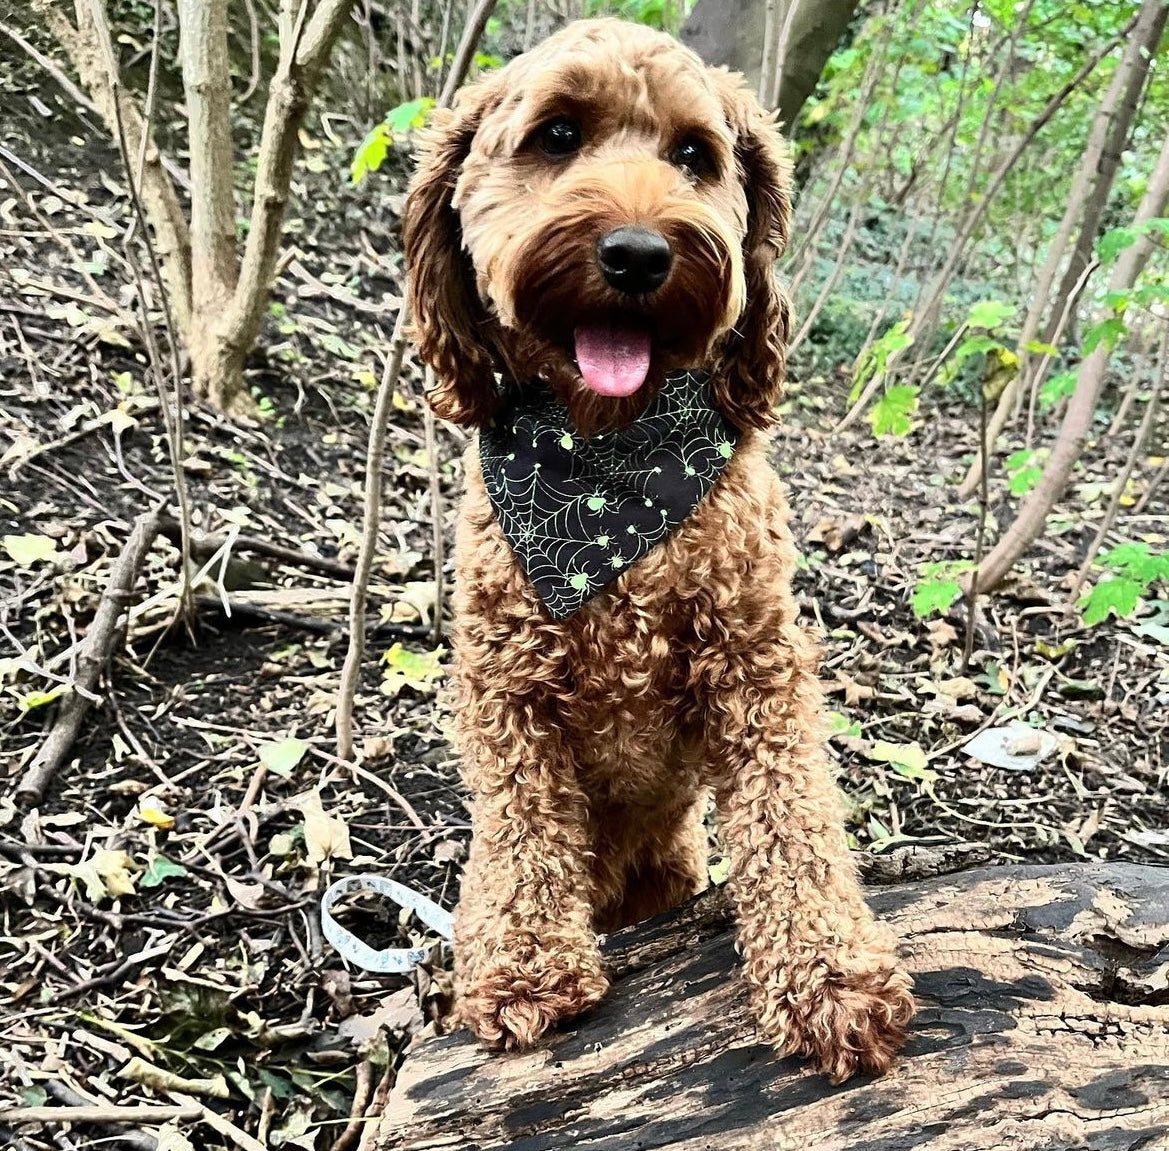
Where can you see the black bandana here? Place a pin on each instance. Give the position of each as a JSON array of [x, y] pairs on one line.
[[578, 511]]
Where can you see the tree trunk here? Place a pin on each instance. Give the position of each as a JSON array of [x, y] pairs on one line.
[[731, 32], [978, 206], [1087, 197], [1077, 421], [218, 298], [1042, 1025], [1128, 82]]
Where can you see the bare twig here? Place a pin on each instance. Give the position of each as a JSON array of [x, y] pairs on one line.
[[173, 418], [1122, 480], [99, 1113], [375, 453], [980, 541], [351, 670], [95, 652], [361, 1093], [435, 507]]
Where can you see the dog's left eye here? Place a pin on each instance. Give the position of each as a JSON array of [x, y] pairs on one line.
[[692, 155], [560, 137]]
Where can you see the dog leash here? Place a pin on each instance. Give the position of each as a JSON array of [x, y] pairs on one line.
[[390, 960]]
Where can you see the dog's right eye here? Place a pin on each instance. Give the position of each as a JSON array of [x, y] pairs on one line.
[[560, 137]]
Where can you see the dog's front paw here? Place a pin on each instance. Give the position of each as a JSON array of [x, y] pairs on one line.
[[511, 1002], [857, 1022], [846, 1022]]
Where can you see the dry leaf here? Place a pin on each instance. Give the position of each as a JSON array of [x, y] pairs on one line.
[[325, 836]]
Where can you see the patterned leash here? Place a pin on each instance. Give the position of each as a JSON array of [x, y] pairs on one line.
[[390, 960]]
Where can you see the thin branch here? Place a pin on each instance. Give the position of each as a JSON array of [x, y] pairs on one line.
[[1126, 472], [371, 519], [95, 653]]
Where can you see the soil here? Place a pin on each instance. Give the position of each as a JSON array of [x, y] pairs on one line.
[[210, 965]]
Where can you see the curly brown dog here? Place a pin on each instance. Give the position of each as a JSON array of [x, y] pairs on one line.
[[602, 212]]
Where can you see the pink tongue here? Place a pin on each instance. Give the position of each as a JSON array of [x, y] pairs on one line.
[[613, 358]]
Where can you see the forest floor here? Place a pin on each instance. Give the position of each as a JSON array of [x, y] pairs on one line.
[[160, 935]]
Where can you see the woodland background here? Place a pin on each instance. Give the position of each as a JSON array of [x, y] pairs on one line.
[[201, 340]]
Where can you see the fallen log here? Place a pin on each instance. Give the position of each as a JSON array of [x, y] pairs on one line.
[[1043, 1024]]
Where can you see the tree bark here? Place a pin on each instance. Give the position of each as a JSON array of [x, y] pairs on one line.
[[1042, 1025], [217, 362], [1128, 82], [1087, 197], [731, 32], [1077, 421]]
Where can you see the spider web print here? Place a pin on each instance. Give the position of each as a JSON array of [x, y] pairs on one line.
[[578, 511]]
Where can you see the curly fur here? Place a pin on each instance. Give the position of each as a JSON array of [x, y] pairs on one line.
[[591, 744]]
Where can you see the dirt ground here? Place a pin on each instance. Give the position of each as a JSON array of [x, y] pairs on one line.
[[160, 937]]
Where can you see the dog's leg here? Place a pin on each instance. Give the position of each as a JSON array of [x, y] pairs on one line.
[[824, 974], [525, 953]]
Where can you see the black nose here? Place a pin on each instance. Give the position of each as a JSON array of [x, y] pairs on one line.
[[634, 260]]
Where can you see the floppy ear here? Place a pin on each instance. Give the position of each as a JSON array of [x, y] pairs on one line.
[[451, 324], [748, 377]]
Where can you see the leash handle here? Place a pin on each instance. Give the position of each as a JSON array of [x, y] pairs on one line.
[[390, 960]]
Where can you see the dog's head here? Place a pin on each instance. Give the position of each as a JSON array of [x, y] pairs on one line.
[[601, 211]]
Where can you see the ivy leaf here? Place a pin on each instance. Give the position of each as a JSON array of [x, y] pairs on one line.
[[1118, 594], [893, 414]]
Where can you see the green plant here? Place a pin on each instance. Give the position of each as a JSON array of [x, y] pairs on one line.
[[938, 586], [1133, 569], [1024, 469], [399, 122]]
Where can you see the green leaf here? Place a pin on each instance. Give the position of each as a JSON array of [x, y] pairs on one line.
[[1107, 332], [1111, 244], [282, 757], [975, 345], [989, 314], [1117, 594], [35, 699], [907, 756], [1042, 349], [1023, 480], [412, 669], [338, 347], [893, 414], [161, 869], [840, 725], [31, 549], [1057, 388], [934, 595], [371, 153], [406, 117], [1136, 561]]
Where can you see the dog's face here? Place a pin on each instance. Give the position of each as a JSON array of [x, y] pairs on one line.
[[603, 210]]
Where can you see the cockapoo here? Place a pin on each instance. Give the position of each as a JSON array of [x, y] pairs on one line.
[[591, 237]]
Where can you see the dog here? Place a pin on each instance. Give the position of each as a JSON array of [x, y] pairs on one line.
[[597, 224]]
